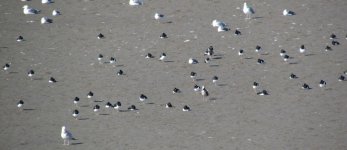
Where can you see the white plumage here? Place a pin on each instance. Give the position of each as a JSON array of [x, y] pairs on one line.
[[30, 11], [192, 61], [247, 10], [66, 135], [56, 13], [45, 20], [46, 1], [135, 2]]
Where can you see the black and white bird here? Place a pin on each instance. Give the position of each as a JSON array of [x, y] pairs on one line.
[[282, 52], [30, 11], [101, 36], [108, 105], [262, 93], [192, 61], [237, 32], [100, 57], [143, 98], [112, 60], [196, 88], [209, 51], [132, 107], [117, 105], [255, 85], [285, 58], [332, 36], [149, 55], [47, 1], [186, 108], [6, 66], [90, 94], [176, 90], [20, 38], [168, 105], [258, 49], [335, 43], [292, 76], [75, 114], [66, 135], [52, 80], [46, 20], [214, 80], [222, 29], [135, 2], [162, 57], [260, 61], [322, 83], [20, 104], [56, 12], [305, 86], [204, 92], [96, 108], [247, 10], [241, 52], [31, 73], [302, 49], [207, 60], [158, 16], [163, 36], [342, 78], [287, 12], [120, 72], [193, 75], [76, 100], [328, 48]]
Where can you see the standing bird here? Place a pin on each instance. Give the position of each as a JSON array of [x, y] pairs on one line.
[[285, 58], [162, 57], [158, 16], [96, 108], [209, 51], [76, 100], [66, 136], [282, 52], [168, 105], [31, 74], [100, 57], [108, 105], [75, 114], [196, 88], [247, 10], [132, 107], [112, 60], [90, 94], [207, 60], [214, 80], [20, 104], [332, 36], [322, 83], [255, 86], [143, 98], [204, 93], [6, 66], [258, 49], [305, 86], [120, 72], [117, 105], [241, 52], [302, 49], [237, 32], [260, 61], [328, 48], [193, 75]]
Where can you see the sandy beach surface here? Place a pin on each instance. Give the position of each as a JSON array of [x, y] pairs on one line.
[[233, 118]]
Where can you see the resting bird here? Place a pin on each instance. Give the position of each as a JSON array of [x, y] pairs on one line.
[[66, 136]]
